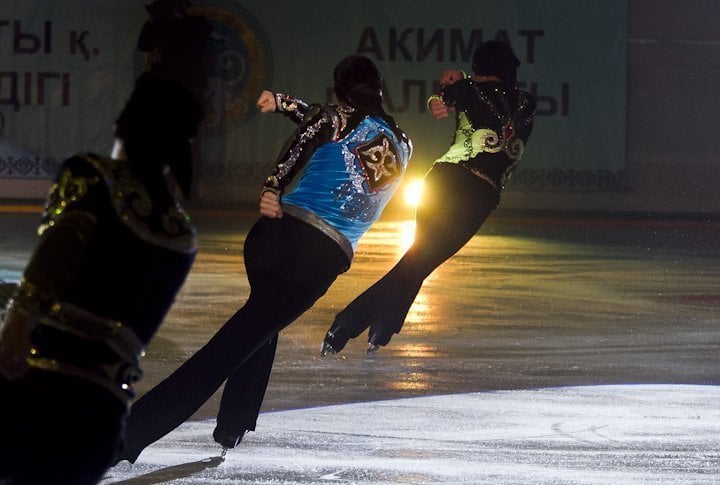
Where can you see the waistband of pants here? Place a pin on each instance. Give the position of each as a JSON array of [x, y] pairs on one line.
[[317, 222]]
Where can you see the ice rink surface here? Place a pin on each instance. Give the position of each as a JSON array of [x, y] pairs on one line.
[[549, 350], [573, 435]]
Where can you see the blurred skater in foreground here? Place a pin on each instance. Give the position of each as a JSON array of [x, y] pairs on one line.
[[115, 249]]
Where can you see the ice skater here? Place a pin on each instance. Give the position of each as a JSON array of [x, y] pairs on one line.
[[346, 160], [493, 123], [115, 249]]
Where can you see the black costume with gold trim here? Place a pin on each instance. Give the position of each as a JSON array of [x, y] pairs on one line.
[[115, 248], [493, 123], [106, 271]]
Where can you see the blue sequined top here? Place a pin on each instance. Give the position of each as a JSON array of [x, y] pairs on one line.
[[349, 165]]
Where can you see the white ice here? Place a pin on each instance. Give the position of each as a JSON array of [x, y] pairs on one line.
[[620, 434]]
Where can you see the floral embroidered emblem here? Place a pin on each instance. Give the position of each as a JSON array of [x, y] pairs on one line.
[[380, 162]]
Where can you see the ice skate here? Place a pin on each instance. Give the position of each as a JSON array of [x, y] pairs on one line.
[[127, 455], [373, 344], [326, 349], [333, 343], [227, 442]]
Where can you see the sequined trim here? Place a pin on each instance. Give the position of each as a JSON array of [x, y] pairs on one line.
[[495, 142], [291, 106], [322, 226], [120, 376], [380, 161], [66, 191], [471, 141], [283, 169], [131, 201], [344, 113], [356, 197]]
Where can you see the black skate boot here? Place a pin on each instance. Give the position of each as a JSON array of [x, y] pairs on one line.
[[226, 441], [373, 344], [334, 342], [379, 337]]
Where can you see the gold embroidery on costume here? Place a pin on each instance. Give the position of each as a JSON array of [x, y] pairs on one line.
[[134, 206], [380, 161], [130, 200], [30, 309], [345, 112], [67, 190]]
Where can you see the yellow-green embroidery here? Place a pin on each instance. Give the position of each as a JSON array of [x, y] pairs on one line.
[[67, 190]]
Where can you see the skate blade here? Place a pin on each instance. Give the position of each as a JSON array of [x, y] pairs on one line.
[[327, 349]]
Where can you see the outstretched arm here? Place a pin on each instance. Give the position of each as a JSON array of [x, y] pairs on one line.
[[436, 104], [318, 127], [451, 76], [266, 102], [438, 108], [290, 106]]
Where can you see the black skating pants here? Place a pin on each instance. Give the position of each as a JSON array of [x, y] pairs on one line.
[[290, 265], [455, 205]]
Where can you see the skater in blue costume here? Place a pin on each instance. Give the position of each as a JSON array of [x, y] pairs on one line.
[[346, 160]]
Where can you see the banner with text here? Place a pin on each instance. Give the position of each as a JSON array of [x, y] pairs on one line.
[[67, 68]]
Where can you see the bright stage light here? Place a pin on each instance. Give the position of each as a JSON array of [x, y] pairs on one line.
[[413, 192], [407, 235]]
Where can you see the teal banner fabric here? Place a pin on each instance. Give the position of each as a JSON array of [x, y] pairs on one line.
[[67, 67]]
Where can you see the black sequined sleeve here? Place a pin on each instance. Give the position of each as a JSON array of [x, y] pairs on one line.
[[320, 125], [526, 115], [291, 107], [459, 94]]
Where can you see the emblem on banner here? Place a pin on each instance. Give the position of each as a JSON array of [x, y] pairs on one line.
[[240, 64]]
